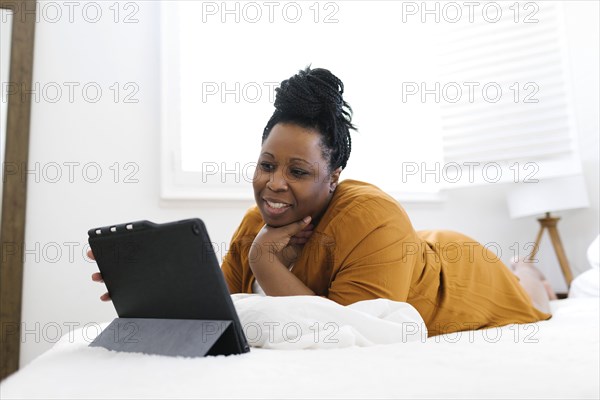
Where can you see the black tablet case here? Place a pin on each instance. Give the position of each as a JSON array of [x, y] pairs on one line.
[[168, 290]]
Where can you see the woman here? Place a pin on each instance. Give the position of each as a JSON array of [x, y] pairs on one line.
[[310, 234]]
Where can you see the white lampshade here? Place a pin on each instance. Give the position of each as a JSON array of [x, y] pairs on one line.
[[547, 195]]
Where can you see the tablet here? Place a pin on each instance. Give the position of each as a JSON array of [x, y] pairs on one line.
[[166, 271]]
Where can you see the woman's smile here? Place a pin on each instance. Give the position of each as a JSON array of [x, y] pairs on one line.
[[274, 208]]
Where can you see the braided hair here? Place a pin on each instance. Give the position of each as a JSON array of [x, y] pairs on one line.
[[313, 99]]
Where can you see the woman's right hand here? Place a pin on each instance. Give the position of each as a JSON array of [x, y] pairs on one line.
[[97, 277]]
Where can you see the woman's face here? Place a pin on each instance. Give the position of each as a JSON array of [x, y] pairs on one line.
[[291, 179]]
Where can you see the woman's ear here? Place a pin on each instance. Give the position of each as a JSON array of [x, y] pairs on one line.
[[335, 176]]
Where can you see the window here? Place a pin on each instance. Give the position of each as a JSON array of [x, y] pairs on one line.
[[402, 64], [220, 70]]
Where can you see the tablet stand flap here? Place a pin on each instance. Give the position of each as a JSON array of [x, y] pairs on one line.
[[169, 337]]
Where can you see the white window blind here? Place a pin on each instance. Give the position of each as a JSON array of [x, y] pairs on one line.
[[514, 120]]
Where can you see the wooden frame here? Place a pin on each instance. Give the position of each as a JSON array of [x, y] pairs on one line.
[[14, 194]]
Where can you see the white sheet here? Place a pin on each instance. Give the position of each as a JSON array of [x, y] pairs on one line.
[[558, 358], [586, 284], [312, 322]]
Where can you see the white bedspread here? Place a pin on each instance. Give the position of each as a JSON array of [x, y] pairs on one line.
[[558, 358], [312, 322]]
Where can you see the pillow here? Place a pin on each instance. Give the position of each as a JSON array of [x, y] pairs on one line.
[[588, 283]]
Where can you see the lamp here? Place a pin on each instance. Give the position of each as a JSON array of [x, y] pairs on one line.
[[544, 197]]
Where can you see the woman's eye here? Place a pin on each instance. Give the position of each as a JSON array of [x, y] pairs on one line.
[[266, 166], [299, 172]]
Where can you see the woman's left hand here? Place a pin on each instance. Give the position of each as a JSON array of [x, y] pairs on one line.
[[271, 254], [283, 243]]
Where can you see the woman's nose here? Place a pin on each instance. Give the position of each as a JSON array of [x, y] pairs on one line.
[[277, 181]]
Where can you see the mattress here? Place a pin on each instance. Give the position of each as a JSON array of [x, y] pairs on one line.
[[557, 358]]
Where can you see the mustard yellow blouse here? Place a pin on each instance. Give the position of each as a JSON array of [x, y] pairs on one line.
[[365, 247]]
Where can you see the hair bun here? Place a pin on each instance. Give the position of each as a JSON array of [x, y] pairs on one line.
[[311, 93], [313, 98]]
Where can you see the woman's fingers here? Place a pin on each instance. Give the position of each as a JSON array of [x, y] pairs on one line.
[[304, 234], [294, 228], [105, 297], [306, 231], [302, 237], [97, 277]]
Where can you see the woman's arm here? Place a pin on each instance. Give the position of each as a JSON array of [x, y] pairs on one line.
[[232, 269], [376, 247], [266, 255], [378, 267]]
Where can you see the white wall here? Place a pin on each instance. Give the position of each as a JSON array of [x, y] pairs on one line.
[[56, 294]]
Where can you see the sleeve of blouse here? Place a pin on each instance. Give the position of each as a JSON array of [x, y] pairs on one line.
[[232, 268], [381, 263], [232, 262]]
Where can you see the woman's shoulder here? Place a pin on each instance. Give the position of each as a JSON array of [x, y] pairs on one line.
[[351, 192], [253, 216], [251, 224], [364, 201]]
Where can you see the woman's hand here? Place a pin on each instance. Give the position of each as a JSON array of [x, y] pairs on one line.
[[272, 253], [291, 252], [284, 243], [97, 277]]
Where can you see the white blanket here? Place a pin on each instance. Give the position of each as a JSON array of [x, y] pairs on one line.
[[554, 359], [303, 322]]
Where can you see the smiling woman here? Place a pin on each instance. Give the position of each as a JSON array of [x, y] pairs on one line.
[[310, 234], [287, 186]]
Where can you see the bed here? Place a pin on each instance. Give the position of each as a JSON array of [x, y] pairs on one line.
[[557, 358]]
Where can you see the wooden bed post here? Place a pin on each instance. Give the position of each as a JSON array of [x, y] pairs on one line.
[[14, 194]]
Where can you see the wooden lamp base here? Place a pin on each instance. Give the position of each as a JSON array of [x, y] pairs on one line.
[[549, 222]]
